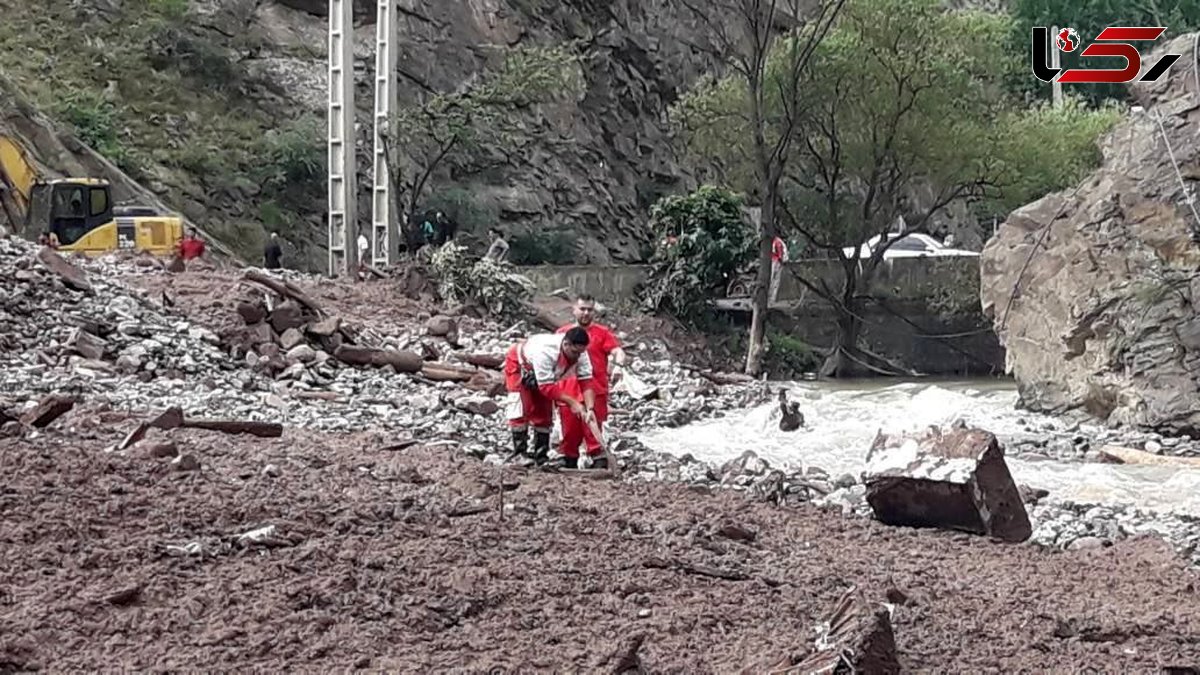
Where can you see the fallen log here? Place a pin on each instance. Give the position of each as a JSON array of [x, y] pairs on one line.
[[260, 429], [173, 418], [48, 409], [401, 361], [445, 372], [955, 480], [285, 289], [489, 361], [1122, 455], [856, 638]]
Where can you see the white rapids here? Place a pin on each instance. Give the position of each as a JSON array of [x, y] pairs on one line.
[[843, 418]]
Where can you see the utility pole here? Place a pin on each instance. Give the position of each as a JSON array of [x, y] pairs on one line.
[[1055, 63], [385, 238], [343, 228]]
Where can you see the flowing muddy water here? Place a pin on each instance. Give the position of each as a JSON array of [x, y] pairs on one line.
[[843, 418]]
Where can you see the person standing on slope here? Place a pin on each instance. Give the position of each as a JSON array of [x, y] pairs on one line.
[[602, 344], [535, 374]]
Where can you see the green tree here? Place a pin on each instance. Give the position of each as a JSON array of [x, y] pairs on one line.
[[767, 46], [487, 115], [898, 122], [702, 239]]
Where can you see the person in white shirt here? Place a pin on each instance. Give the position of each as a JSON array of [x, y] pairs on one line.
[[535, 372]]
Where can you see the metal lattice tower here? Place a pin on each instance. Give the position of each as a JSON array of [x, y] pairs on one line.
[[343, 229], [385, 239]]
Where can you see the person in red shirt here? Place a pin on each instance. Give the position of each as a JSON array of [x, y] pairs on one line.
[[602, 344], [779, 255], [191, 246], [536, 373]]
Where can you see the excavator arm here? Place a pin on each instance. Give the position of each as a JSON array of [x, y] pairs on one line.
[[17, 176]]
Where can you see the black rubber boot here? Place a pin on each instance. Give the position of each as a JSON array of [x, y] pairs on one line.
[[570, 462], [520, 442], [599, 462], [541, 446]]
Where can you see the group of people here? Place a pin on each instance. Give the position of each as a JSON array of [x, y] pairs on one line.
[[566, 371]]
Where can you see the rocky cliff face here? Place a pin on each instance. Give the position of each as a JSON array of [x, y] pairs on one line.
[[1103, 317], [217, 106]]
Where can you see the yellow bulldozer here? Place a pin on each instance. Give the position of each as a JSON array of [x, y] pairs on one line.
[[79, 212]]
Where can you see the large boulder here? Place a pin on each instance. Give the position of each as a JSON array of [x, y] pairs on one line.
[[1101, 317], [954, 480]]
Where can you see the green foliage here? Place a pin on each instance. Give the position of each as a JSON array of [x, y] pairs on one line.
[[546, 247], [1044, 149], [485, 114], [294, 153], [1088, 18], [702, 241], [96, 123], [172, 10], [461, 206], [789, 356], [494, 285]]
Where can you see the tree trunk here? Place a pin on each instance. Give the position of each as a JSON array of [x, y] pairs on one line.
[[839, 362], [758, 319]]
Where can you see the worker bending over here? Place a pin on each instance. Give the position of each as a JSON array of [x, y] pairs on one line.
[[602, 344], [535, 374]]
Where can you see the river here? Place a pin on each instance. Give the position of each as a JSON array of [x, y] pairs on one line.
[[843, 418]]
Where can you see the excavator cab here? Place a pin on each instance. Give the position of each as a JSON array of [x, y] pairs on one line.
[[70, 208]]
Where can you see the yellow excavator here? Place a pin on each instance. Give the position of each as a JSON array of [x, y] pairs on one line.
[[79, 212]]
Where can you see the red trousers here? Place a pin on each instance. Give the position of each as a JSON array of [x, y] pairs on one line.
[[537, 410], [575, 431]]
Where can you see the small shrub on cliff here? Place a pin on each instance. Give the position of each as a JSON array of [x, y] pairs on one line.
[[463, 279], [95, 121], [552, 247], [701, 240]]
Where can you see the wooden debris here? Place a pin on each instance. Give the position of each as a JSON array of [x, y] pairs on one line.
[[1122, 455], [125, 596], [626, 660], [284, 288], [956, 480], [401, 361], [400, 445], [445, 372], [172, 418], [489, 361], [467, 511], [856, 638], [71, 275], [260, 429], [49, 409]]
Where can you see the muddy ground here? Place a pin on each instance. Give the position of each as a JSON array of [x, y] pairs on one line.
[[401, 560]]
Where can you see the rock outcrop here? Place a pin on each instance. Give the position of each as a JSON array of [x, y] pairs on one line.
[[1101, 316]]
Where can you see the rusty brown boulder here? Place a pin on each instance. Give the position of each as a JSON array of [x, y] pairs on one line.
[[956, 480]]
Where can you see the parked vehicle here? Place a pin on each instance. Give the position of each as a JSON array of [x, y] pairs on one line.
[[914, 245]]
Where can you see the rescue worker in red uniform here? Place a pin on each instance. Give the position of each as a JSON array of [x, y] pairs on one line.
[[602, 344], [535, 373]]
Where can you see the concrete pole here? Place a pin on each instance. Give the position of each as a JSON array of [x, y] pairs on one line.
[[343, 226], [385, 239]]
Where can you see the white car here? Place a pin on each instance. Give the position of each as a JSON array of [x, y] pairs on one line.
[[910, 246]]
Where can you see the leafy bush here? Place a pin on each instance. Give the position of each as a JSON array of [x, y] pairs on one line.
[[554, 247], [294, 153], [701, 241], [96, 123], [788, 356], [461, 207], [463, 279]]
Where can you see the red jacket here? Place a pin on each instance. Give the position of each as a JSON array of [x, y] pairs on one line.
[[601, 343], [190, 248]]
